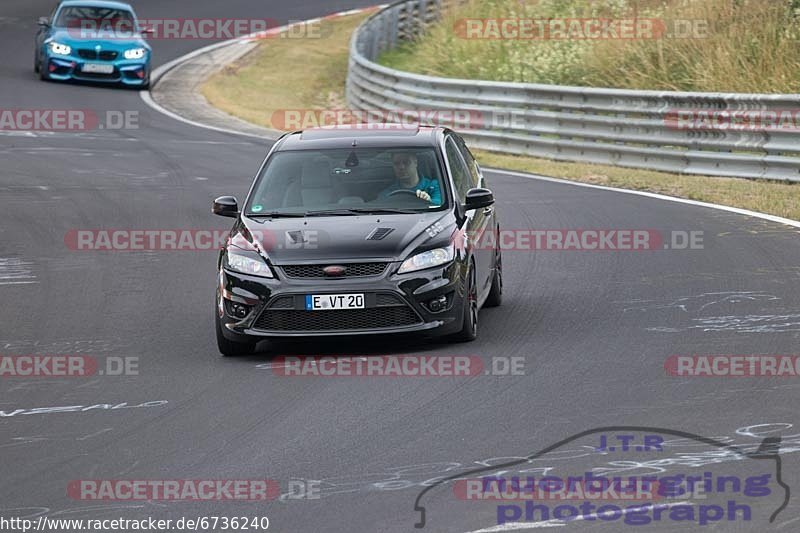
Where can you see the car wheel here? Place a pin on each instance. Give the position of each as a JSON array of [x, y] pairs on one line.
[[469, 328], [495, 297], [36, 63], [230, 348], [43, 75]]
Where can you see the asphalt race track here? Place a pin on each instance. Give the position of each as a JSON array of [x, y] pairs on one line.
[[594, 329]]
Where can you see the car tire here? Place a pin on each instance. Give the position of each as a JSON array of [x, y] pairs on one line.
[[469, 324], [43, 75], [495, 297], [36, 63], [230, 348]]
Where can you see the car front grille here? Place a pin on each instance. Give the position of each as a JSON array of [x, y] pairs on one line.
[[105, 55], [339, 320], [385, 299], [97, 75], [353, 270], [282, 302]]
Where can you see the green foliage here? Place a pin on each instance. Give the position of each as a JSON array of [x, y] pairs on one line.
[[739, 46]]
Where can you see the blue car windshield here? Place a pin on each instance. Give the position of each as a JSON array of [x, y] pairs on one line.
[[348, 180], [96, 19]]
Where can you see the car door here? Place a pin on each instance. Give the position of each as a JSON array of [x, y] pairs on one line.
[[475, 219], [486, 218]]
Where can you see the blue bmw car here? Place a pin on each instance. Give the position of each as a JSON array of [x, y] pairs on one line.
[[93, 40]]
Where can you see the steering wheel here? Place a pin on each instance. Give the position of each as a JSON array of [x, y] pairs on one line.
[[404, 191]]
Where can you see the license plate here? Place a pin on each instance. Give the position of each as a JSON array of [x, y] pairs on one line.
[[97, 68], [330, 302]]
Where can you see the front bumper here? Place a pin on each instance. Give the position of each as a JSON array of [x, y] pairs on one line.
[[134, 72], [394, 304]]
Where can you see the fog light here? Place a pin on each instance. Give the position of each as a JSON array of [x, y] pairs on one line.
[[438, 304], [236, 310]]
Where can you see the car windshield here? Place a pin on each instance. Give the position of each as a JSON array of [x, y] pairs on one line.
[[349, 181], [96, 19]]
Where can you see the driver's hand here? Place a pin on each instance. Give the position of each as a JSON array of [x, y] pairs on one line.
[[425, 196]]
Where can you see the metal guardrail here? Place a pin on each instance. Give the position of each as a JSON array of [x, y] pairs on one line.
[[608, 126]]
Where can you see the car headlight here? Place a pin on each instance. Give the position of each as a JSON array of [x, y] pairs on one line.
[[60, 49], [429, 259], [246, 264], [134, 53]]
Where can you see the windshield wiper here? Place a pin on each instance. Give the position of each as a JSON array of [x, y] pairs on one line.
[[361, 211], [335, 212], [331, 212], [275, 214], [380, 210]]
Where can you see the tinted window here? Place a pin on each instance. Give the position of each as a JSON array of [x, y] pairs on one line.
[[461, 176], [351, 178], [472, 165]]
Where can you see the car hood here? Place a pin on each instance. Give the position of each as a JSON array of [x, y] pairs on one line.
[[75, 39], [344, 238]]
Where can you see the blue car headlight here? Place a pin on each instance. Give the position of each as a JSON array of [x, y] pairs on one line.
[[59, 49], [246, 263], [429, 259], [135, 53]]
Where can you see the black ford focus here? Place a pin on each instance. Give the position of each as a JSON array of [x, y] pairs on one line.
[[350, 231]]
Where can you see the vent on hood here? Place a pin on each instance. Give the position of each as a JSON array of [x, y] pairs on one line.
[[379, 233]]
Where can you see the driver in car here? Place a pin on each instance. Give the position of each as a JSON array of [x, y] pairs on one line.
[[408, 179]]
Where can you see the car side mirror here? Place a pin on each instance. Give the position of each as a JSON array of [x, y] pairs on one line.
[[478, 198], [44, 22], [225, 206], [146, 30]]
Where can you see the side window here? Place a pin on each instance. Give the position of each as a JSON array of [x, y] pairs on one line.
[[472, 165], [461, 176]]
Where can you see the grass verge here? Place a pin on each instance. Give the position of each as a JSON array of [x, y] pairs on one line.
[[692, 45], [286, 74]]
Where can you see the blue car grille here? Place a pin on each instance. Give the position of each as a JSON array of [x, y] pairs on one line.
[[104, 55]]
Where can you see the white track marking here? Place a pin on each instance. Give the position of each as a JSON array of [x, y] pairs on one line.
[[738, 211]]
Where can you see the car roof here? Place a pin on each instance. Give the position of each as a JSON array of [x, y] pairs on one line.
[[96, 3], [365, 136]]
